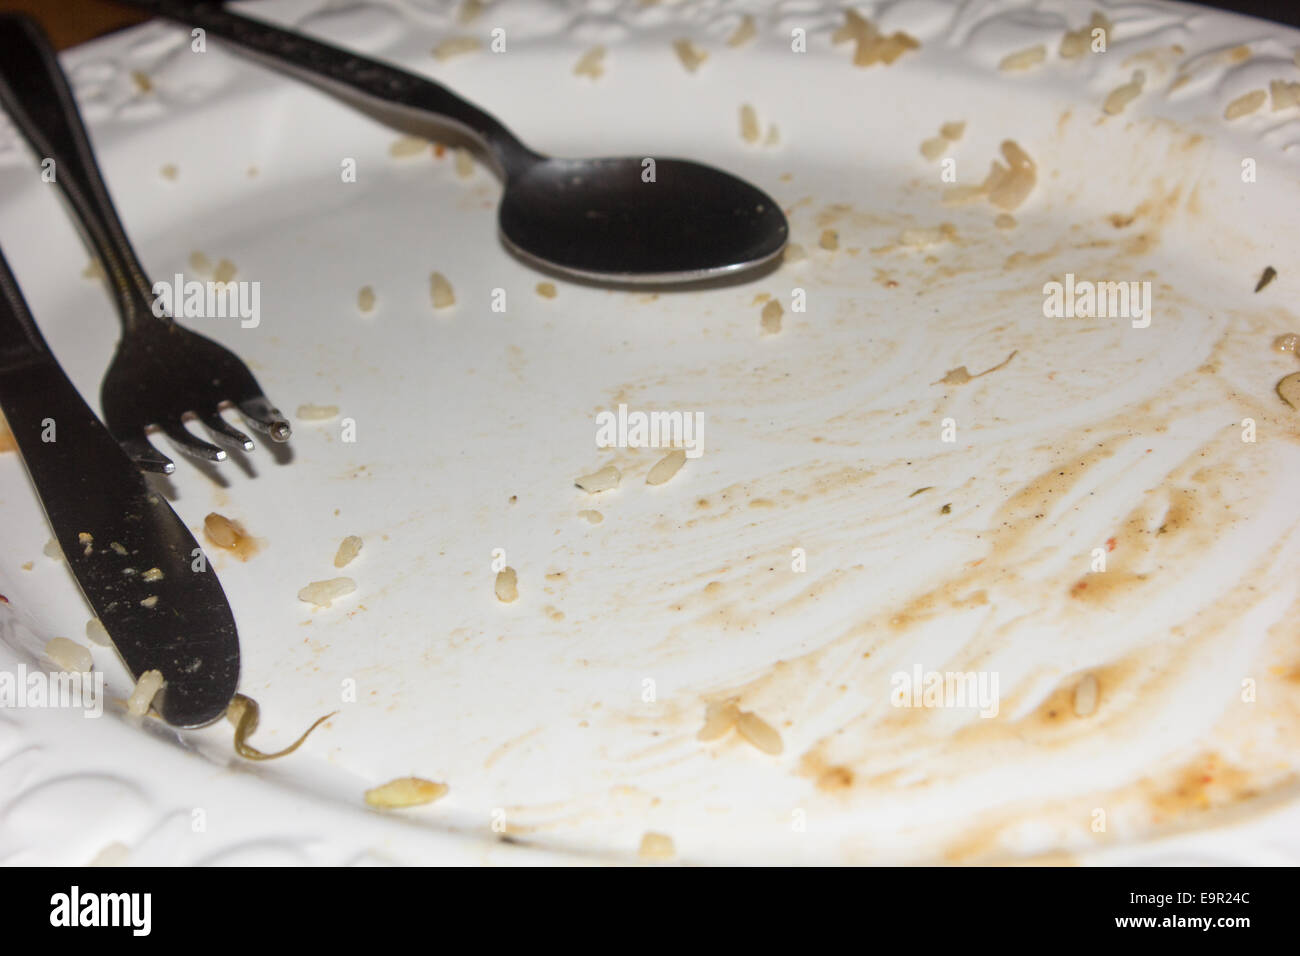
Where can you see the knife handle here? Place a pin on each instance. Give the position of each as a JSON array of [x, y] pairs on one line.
[[21, 343], [35, 93], [375, 81]]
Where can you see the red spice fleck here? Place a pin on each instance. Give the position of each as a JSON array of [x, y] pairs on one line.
[[439, 150], [3, 599], [1110, 544], [1078, 586]]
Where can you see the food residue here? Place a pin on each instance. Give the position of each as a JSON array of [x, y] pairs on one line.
[[1267, 276]]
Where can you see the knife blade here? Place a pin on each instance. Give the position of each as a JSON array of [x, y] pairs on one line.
[[143, 573]]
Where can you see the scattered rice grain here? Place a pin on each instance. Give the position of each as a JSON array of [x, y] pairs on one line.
[[69, 655], [324, 593], [770, 319], [1023, 59], [366, 300], [1284, 95], [759, 732], [590, 516], [440, 291], [546, 290], [317, 413], [719, 717], [591, 63], [749, 129], [952, 131], [745, 31], [668, 465], [793, 252], [405, 792], [349, 548], [657, 846], [169, 171], [464, 162], [224, 271], [455, 46], [96, 633], [598, 481], [1123, 95], [1085, 696], [690, 55], [153, 574], [407, 146], [829, 239], [507, 586], [146, 689], [1245, 104], [934, 147]]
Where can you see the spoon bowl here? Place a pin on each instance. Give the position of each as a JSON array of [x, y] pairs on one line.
[[639, 221]]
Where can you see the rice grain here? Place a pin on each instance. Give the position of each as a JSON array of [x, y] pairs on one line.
[[507, 586], [759, 732], [349, 548], [69, 655], [598, 481], [146, 689], [405, 792], [667, 466], [323, 593]]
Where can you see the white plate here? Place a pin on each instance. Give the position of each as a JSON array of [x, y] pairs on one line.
[[570, 716]]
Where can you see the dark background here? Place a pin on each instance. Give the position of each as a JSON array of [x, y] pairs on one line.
[[70, 22]]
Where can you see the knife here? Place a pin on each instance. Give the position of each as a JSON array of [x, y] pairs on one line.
[[135, 561]]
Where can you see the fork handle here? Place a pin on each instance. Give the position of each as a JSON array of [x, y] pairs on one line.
[[346, 73], [34, 91]]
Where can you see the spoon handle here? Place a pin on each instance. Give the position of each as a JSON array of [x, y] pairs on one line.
[[35, 94], [346, 72]]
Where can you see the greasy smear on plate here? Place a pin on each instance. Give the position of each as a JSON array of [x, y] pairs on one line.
[[959, 375], [243, 713]]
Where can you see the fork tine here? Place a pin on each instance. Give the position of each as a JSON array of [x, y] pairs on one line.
[[183, 439], [222, 430], [147, 457], [265, 417]]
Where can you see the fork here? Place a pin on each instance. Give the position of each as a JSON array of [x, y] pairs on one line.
[[162, 374]]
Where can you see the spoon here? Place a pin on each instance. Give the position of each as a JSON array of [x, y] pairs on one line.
[[595, 219]]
